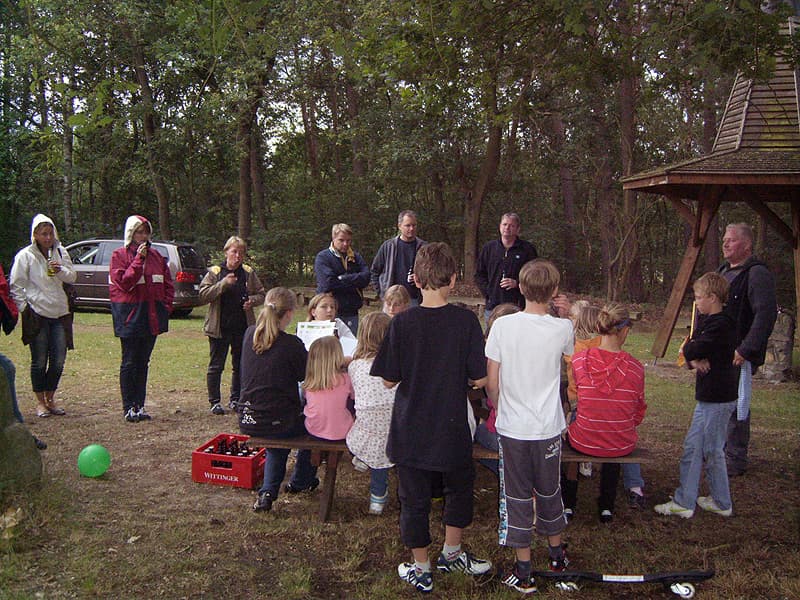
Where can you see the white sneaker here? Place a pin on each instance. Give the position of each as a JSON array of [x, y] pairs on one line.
[[673, 508], [376, 503], [585, 469], [707, 503]]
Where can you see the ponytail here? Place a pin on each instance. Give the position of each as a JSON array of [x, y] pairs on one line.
[[278, 302]]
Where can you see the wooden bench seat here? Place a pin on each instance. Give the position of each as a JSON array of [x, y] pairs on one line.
[[331, 453]]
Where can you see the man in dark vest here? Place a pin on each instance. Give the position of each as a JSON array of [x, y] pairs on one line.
[[753, 307]]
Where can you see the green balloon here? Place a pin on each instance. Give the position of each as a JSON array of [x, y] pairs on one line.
[[93, 460]]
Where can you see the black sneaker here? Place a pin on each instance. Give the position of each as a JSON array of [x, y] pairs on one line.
[[216, 409], [526, 585], [132, 416], [233, 405], [40, 445], [263, 502], [561, 563], [465, 562], [569, 514], [636, 501], [143, 416], [422, 582], [290, 489]]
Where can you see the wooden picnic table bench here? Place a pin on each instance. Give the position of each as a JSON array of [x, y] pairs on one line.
[[331, 453]]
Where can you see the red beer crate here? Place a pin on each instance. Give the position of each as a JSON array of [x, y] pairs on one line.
[[225, 469]]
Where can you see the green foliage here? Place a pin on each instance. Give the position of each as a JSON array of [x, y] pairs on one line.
[[362, 109]]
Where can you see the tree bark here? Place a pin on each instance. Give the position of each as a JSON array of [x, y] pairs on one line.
[[473, 200], [67, 165], [566, 190], [150, 134], [257, 178], [711, 255], [628, 99]]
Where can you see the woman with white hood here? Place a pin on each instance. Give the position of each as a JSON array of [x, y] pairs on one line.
[[141, 292], [37, 287]]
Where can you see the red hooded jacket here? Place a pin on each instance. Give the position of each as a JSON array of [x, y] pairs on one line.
[[610, 402]]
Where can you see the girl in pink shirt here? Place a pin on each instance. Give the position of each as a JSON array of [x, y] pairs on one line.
[[328, 390]]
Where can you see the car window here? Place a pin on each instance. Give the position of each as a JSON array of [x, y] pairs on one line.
[[190, 258], [162, 250], [108, 250], [85, 254]]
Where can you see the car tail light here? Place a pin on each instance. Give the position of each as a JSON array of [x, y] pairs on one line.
[[184, 277]]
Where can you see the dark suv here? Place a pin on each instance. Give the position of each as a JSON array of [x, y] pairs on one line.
[[92, 258]]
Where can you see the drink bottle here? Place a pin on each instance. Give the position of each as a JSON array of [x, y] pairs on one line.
[[50, 270]]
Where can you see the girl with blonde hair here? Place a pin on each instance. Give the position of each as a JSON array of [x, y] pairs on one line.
[[324, 307], [328, 390], [373, 403], [610, 384], [272, 364]]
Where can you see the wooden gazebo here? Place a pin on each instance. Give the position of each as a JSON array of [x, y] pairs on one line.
[[755, 160]]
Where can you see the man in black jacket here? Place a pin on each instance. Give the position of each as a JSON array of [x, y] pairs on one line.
[[753, 307], [499, 262]]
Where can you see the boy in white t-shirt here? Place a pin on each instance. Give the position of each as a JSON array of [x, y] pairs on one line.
[[524, 376]]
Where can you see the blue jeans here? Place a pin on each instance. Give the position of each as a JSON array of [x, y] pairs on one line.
[[11, 375], [136, 353], [48, 353], [275, 467], [632, 475], [705, 443], [351, 321], [488, 440], [378, 482]]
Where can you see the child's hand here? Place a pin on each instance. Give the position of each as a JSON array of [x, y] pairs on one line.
[[702, 365]]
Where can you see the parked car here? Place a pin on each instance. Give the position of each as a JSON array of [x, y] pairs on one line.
[[92, 258]]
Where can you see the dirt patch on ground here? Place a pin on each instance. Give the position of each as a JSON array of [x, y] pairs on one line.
[[145, 530]]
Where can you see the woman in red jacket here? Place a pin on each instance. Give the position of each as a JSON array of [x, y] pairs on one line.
[[610, 384], [141, 292]]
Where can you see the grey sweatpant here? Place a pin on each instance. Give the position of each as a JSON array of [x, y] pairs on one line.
[[530, 473]]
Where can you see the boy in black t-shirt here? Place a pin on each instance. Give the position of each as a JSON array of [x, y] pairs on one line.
[[432, 351]]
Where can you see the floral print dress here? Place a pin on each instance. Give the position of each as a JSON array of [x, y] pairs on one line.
[[374, 402]]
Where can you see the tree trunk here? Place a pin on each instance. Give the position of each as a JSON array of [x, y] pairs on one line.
[[359, 168], [711, 255], [312, 144], [257, 178], [566, 189], [67, 165], [473, 200], [631, 269], [150, 134], [245, 198]]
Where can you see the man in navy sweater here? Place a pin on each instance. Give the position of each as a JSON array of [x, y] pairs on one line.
[[342, 271]]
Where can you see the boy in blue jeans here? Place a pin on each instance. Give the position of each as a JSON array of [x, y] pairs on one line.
[[524, 353], [431, 353], [710, 353]]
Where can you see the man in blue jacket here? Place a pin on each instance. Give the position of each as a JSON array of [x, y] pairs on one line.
[[342, 272]]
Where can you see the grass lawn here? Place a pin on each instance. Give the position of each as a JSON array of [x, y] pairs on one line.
[[145, 530]]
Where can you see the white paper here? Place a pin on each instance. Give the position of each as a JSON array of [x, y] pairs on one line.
[[348, 345], [308, 331]]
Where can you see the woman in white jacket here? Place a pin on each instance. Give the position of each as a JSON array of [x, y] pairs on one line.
[[37, 287]]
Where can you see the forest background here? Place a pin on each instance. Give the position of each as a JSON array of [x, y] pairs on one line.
[[274, 119]]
